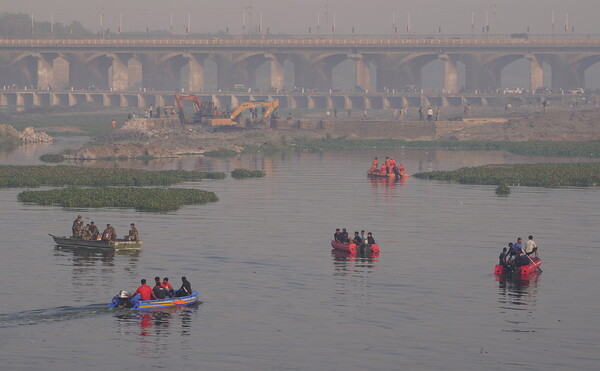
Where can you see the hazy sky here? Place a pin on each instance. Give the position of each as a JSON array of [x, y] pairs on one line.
[[367, 17]]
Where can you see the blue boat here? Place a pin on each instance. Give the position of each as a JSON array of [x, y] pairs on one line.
[[118, 301]]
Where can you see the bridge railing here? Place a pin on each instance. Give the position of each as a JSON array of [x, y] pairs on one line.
[[314, 42]]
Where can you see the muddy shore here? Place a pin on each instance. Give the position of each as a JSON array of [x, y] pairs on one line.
[[167, 138]]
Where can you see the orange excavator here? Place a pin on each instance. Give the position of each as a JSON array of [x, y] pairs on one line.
[[232, 119], [201, 109]]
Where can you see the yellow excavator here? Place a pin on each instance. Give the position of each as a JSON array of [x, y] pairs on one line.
[[232, 119]]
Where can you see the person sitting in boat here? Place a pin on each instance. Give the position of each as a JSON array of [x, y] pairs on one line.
[[167, 285], [522, 259], [344, 238], [337, 236], [77, 225], [85, 233], [401, 168], [133, 233], [370, 239], [109, 233], [94, 231], [363, 236], [186, 288], [384, 169], [159, 292], [374, 165], [144, 290]]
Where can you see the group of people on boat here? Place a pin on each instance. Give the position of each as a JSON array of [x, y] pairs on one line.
[[161, 290], [358, 239], [388, 166], [518, 255], [91, 232]]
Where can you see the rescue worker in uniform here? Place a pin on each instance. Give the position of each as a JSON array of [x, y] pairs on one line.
[[133, 233], [77, 224], [94, 231]]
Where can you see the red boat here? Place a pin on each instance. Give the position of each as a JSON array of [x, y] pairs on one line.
[[524, 270], [351, 247], [382, 174]]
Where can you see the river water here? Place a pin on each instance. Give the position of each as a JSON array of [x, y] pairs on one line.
[[275, 297]]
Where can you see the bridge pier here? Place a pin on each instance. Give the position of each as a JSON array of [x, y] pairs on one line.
[[277, 71], [450, 74], [195, 72], [536, 73], [119, 76]]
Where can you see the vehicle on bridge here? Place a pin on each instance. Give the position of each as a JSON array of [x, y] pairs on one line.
[[543, 90], [515, 91]]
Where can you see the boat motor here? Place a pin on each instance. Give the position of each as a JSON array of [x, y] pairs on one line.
[[124, 299]]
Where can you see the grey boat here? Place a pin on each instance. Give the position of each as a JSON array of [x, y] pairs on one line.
[[97, 244]]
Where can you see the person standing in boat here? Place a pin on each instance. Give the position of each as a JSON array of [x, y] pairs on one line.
[[370, 239], [144, 290], [344, 238], [94, 231], [502, 258], [77, 224], [357, 240], [133, 233], [531, 247], [186, 288]]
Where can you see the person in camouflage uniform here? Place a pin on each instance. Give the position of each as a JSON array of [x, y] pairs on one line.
[[94, 231], [133, 234], [77, 225]]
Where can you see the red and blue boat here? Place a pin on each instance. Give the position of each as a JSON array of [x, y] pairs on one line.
[[123, 301], [352, 247], [533, 266]]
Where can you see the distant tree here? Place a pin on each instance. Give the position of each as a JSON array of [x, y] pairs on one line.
[[13, 26]]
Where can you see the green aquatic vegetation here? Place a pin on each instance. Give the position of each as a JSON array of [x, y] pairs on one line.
[[535, 175], [52, 157], [245, 173], [63, 175], [503, 190], [140, 199], [221, 153]]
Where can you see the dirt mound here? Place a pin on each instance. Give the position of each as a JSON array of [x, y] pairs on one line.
[[553, 127], [27, 136]]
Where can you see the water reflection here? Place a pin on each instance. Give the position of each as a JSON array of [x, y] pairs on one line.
[[518, 299], [95, 266], [152, 328]]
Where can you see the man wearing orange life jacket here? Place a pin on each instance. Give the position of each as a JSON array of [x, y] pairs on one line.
[[388, 165], [374, 164]]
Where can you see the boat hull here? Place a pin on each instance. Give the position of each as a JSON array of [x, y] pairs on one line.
[[157, 304], [524, 270], [379, 174], [96, 244], [351, 247]]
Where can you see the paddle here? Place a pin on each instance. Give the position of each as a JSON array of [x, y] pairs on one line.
[[538, 267]]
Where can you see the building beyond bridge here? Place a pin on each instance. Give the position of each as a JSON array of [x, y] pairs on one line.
[[179, 64]]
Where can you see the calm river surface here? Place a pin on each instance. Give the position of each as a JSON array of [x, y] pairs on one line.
[[276, 298]]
